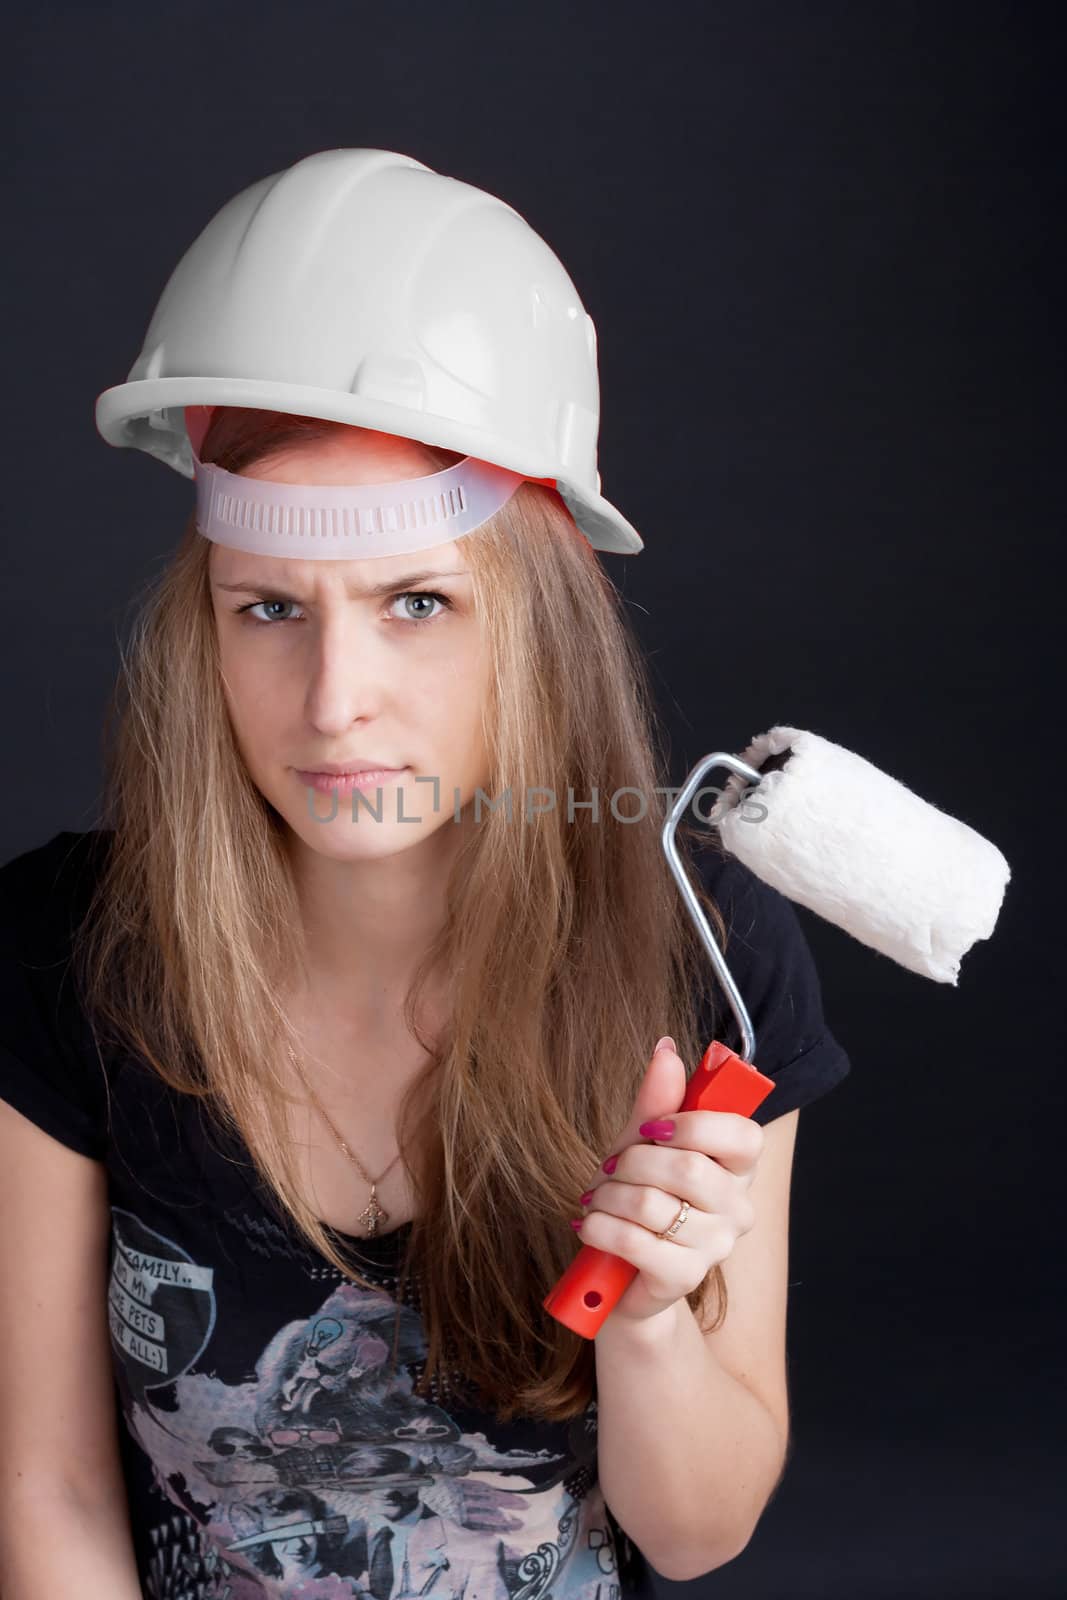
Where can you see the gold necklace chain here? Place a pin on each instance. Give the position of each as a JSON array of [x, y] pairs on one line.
[[373, 1215]]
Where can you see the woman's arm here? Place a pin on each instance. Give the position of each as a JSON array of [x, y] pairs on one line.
[[689, 1456], [693, 1427], [52, 1544], [64, 1518]]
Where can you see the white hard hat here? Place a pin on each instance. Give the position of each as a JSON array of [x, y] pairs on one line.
[[362, 287]]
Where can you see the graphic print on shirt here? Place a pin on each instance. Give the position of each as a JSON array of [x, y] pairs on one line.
[[161, 1305], [325, 1475]]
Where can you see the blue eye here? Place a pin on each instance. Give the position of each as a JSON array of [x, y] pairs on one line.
[[422, 594], [406, 594], [265, 621]]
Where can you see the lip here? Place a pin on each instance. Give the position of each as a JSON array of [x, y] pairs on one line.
[[345, 769], [365, 778]]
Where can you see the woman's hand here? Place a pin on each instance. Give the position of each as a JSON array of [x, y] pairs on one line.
[[710, 1160]]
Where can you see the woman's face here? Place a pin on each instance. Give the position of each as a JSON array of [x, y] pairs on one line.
[[317, 670]]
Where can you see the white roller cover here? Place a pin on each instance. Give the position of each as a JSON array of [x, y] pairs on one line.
[[860, 849]]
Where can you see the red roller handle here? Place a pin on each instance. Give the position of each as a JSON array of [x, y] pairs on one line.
[[595, 1281]]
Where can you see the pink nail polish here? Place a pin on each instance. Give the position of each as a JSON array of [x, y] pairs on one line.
[[660, 1129], [611, 1163], [576, 1222], [586, 1197]]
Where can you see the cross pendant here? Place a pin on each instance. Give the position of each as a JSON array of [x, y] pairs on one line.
[[373, 1215]]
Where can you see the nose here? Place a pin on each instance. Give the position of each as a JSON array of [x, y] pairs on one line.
[[349, 671]]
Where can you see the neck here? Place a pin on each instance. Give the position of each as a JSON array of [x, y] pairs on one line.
[[368, 923]]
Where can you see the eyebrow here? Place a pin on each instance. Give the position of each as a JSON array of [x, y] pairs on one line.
[[373, 591]]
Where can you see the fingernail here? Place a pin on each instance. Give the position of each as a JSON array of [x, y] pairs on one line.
[[611, 1163], [666, 1043], [586, 1197], [576, 1222], [656, 1130]]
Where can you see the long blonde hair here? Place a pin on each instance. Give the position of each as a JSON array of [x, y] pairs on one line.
[[567, 946]]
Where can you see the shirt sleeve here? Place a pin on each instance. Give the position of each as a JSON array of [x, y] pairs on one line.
[[46, 1071], [770, 961]]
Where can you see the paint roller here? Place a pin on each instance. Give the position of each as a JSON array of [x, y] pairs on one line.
[[831, 832]]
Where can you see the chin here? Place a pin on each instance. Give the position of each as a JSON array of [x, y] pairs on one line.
[[342, 839]]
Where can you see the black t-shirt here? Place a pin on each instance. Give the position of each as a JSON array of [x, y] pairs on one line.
[[272, 1445]]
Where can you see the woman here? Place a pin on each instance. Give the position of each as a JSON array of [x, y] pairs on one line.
[[303, 1075]]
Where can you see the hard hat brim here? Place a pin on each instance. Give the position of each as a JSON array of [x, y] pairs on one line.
[[147, 414]]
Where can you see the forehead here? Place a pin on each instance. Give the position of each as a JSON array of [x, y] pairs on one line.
[[229, 567], [346, 456]]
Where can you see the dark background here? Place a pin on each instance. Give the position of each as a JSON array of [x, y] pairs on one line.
[[817, 241]]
